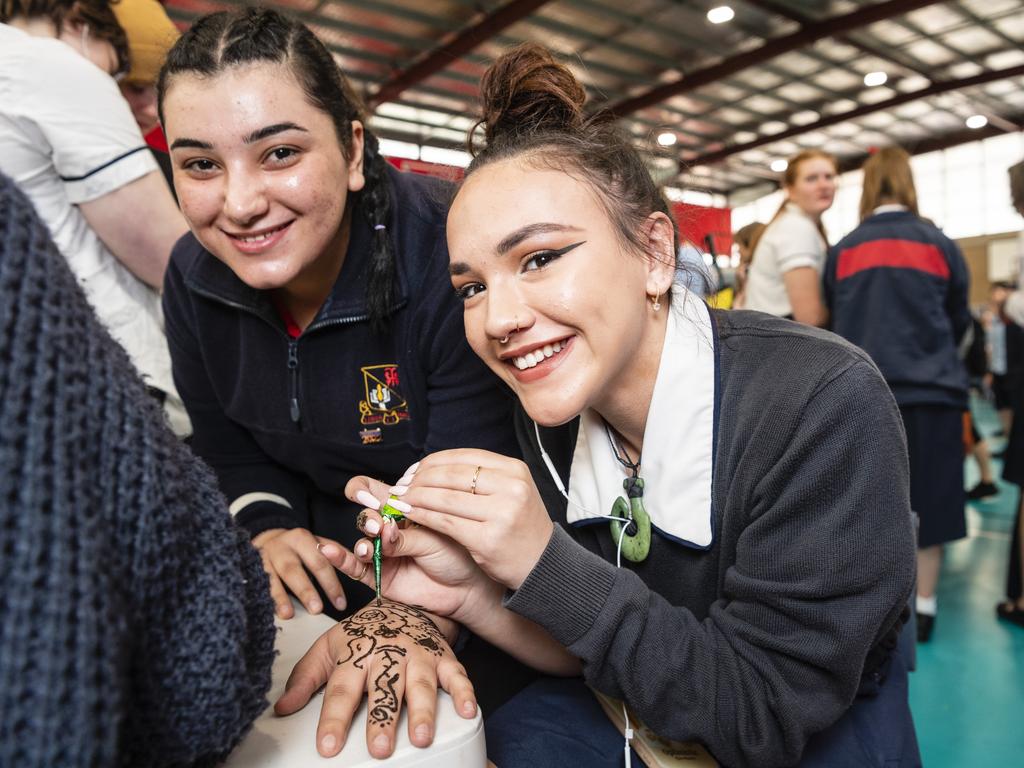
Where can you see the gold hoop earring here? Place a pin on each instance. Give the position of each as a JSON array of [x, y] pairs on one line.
[[656, 302]]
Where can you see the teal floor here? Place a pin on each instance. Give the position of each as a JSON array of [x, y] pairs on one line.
[[967, 694]]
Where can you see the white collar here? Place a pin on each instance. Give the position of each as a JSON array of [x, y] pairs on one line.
[[890, 208], [678, 450]]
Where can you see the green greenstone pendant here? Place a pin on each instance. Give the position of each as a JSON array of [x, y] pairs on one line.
[[636, 545]]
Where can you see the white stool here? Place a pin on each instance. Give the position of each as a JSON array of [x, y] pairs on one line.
[[290, 742]]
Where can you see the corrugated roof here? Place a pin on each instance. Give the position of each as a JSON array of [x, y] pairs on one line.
[[781, 76]]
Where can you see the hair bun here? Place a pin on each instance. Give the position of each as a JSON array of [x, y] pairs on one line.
[[525, 91]]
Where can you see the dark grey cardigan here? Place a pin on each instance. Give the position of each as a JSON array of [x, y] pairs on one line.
[[136, 627]]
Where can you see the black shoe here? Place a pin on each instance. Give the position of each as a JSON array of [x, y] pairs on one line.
[[983, 491], [925, 625]]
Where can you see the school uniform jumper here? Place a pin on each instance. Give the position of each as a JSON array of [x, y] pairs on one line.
[[764, 619], [897, 287]]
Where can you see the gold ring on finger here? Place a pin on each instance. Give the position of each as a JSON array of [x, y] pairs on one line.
[[476, 476]]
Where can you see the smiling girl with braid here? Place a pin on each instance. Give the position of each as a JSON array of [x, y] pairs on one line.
[[312, 327]]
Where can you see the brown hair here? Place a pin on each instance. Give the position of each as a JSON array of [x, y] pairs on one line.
[[746, 237], [96, 14], [1017, 186], [789, 178], [533, 106], [887, 178]]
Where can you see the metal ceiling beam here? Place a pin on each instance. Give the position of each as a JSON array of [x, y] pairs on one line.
[[922, 146], [867, 109], [463, 42], [778, 8], [807, 34]]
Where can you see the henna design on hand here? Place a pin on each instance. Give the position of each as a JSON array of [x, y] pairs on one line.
[[372, 634]]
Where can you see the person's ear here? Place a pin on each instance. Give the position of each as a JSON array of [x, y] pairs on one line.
[[356, 174], [660, 251]]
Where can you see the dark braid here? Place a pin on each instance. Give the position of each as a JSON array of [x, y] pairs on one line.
[[376, 206], [222, 40]]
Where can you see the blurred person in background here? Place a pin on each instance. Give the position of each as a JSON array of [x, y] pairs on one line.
[[1006, 345], [1012, 608], [897, 287], [744, 239], [784, 278], [150, 36], [67, 138]]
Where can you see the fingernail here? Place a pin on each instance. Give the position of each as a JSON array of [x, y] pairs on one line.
[[422, 732], [400, 505], [382, 743], [412, 470], [339, 603], [367, 499], [398, 490], [362, 549], [372, 527], [328, 743], [469, 708], [327, 550], [405, 480], [315, 606]]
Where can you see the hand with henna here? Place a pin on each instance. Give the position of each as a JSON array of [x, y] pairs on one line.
[[389, 653]]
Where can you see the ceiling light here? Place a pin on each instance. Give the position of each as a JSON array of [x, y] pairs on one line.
[[667, 139], [977, 121], [779, 165], [721, 14], [872, 79]]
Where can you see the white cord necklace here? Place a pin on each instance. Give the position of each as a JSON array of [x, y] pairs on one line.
[[624, 522]]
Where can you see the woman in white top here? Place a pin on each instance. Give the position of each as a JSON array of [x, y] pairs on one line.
[[785, 275]]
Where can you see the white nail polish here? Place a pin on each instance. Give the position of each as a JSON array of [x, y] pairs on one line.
[[367, 499], [401, 506], [398, 490]]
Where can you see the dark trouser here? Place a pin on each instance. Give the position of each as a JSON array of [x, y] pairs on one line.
[[557, 722], [554, 722]]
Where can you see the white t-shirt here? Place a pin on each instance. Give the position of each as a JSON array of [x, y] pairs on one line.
[[67, 136], [792, 240]]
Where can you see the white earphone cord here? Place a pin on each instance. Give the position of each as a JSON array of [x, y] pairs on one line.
[[627, 729]]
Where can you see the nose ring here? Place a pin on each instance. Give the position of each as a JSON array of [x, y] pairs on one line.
[[504, 339]]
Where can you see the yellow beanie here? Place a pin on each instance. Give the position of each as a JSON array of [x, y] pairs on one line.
[[150, 36]]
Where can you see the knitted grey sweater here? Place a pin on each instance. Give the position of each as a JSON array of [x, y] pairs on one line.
[[137, 628]]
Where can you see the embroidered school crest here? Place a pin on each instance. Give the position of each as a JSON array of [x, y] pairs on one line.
[[384, 403]]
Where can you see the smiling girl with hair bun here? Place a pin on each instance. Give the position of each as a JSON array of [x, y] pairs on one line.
[[750, 595]]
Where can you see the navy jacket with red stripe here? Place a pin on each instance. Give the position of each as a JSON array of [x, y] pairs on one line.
[[897, 287]]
